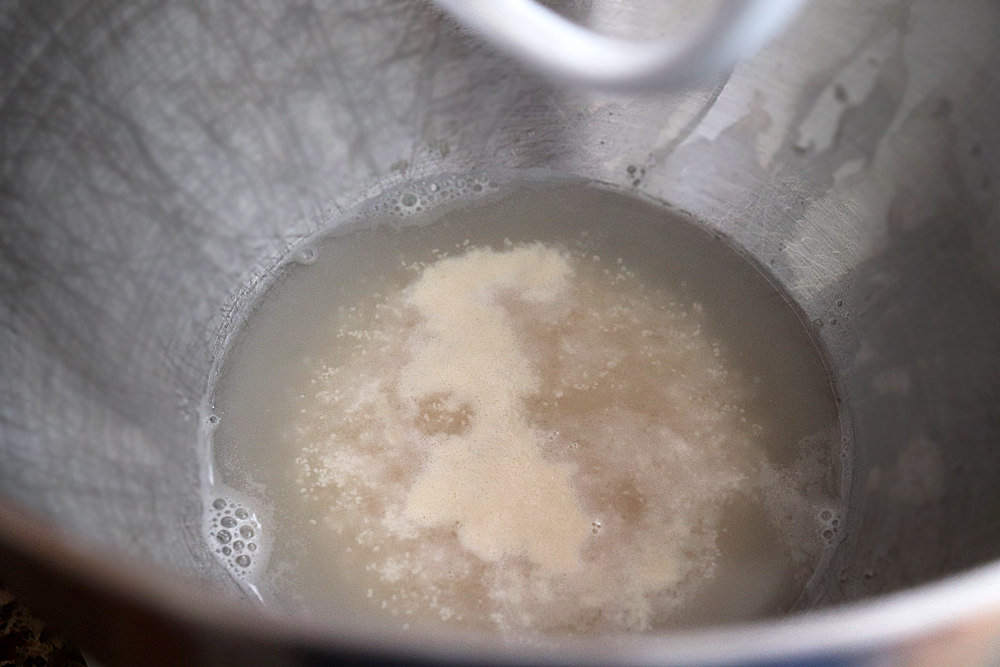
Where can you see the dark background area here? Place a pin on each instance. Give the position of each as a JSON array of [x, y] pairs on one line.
[[26, 640]]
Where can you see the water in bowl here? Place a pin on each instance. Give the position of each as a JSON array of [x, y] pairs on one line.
[[524, 407]]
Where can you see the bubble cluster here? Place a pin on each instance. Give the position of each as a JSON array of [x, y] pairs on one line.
[[230, 528], [829, 522], [421, 196]]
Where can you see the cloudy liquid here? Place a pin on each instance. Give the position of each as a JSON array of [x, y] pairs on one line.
[[552, 409]]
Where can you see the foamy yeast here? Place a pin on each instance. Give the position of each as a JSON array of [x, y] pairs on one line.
[[530, 439], [491, 480]]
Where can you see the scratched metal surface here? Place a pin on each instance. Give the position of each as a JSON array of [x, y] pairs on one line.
[[155, 156]]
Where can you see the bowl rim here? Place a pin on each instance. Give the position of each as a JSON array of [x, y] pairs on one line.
[[857, 628]]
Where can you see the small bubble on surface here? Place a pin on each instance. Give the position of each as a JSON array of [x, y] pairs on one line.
[[306, 256]]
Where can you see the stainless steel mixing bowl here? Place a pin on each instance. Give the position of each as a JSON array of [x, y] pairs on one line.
[[156, 155]]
